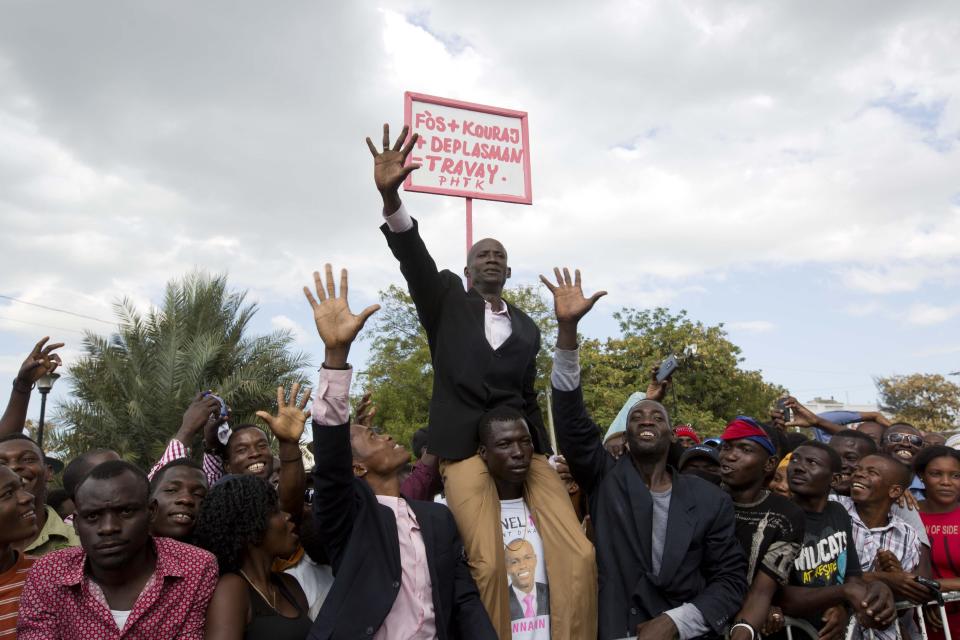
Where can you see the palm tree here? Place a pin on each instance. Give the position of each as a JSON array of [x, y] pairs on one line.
[[130, 390]]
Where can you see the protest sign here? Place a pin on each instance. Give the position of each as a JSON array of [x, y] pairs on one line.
[[468, 150]]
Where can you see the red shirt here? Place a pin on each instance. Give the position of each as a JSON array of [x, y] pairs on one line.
[[11, 585], [60, 602], [943, 530]]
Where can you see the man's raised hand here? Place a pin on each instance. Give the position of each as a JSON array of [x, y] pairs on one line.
[[41, 361], [337, 325], [569, 303], [389, 171], [288, 424]]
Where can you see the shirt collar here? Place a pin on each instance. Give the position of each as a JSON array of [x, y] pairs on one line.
[[504, 309], [54, 527], [168, 563]]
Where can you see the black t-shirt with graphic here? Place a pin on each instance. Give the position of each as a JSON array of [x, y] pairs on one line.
[[770, 532]]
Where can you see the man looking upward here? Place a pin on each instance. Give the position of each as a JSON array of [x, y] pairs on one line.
[[483, 351]]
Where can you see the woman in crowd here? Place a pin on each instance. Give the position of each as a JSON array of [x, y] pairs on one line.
[[242, 525], [939, 469]]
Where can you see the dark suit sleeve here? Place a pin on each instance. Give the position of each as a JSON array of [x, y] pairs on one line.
[[469, 616], [427, 286], [724, 569], [334, 500], [531, 408], [578, 438]]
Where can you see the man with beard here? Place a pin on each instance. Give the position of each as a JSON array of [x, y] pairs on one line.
[[769, 527], [121, 582], [24, 457], [669, 562]]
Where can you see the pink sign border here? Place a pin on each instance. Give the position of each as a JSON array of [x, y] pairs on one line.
[[527, 198]]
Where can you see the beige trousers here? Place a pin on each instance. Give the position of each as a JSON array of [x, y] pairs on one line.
[[569, 555]]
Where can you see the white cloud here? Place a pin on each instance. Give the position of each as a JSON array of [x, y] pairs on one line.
[[300, 335], [751, 326], [927, 314]]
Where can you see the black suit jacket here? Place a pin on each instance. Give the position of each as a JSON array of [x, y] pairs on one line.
[[702, 561], [543, 602], [361, 540], [470, 377]]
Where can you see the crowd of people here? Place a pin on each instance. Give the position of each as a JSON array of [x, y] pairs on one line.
[[642, 530]]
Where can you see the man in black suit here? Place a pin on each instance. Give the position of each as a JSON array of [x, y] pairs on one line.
[[522, 569], [669, 561], [399, 564], [483, 351]]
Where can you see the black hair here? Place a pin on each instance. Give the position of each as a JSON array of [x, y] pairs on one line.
[[904, 472], [793, 440], [502, 413], [777, 437], [56, 498], [177, 462], [929, 454], [896, 425], [419, 441], [20, 436], [836, 464], [77, 468], [114, 469], [862, 437], [235, 513]]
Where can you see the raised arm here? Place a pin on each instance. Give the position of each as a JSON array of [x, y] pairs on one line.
[[333, 504], [288, 427], [578, 437], [389, 171], [41, 361], [203, 409]]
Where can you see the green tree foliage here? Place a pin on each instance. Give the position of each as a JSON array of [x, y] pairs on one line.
[[130, 390], [710, 388], [927, 401]]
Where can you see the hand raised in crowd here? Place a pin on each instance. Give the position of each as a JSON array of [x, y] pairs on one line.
[[291, 418], [834, 623], [337, 325], [41, 361], [569, 305], [802, 417], [389, 171], [656, 390], [203, 413], [366, 410]]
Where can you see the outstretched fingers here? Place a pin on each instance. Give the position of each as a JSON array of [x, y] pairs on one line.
[[552, 287], [386, 136], [343, 283], [305, 399], [266, 417], [407, 148], [366, 313], [398, 144], [372, 147], [328, 270]]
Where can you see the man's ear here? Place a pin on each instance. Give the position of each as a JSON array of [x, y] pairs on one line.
[[895, 492], [482, 452], [836, 480], [770, 465], [359, 470], [466, 272], [509, 273], [152, 510]]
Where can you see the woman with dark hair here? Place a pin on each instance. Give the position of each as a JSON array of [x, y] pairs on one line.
[[241, 524], [939, 470]]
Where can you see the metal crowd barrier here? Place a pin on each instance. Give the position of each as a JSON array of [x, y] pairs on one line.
[[798, 629]]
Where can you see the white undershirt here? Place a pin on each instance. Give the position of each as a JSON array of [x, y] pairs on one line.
[[120, 617]]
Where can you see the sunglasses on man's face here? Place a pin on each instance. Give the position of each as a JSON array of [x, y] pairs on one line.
[[895, 438]]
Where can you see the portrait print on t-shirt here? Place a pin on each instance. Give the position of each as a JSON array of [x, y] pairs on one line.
[[526, 572]]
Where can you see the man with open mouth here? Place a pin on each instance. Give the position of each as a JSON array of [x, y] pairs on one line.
[[904, 441], [669, 562], [176, 492]]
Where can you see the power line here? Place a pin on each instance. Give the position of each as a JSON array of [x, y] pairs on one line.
[[38, 324], [43, 306]]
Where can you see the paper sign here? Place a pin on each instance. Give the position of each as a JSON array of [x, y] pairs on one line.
[[468, 150]]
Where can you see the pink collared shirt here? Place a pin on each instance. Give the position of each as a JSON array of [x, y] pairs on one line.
[[60, 601], [412, 616]]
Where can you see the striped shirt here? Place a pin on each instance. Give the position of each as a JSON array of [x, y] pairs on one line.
[[11, 584], [212, 465]]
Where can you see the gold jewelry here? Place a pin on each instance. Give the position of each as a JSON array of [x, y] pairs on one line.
[[272, 604]]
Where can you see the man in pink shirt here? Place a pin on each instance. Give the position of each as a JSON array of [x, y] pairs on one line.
[[401, 573], [121, 582]]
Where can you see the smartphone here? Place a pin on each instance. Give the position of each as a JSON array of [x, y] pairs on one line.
[[667, 367], [785, 410]]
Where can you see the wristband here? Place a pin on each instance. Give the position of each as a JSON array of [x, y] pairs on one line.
[[18, 386], [343, 368], [745, 625], [299, 457]]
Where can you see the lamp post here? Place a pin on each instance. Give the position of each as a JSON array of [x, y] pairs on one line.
[[44, 384]]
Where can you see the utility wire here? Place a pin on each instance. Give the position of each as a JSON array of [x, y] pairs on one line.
[[42, 306], [38, 324]]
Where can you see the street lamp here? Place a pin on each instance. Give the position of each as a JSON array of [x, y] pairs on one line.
[[44, 384]]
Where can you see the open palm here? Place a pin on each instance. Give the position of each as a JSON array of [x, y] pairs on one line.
[[337, 325], [388, 165], [569, 303], [289, 422]]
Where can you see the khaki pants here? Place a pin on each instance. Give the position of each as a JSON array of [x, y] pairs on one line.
[[569, 556]]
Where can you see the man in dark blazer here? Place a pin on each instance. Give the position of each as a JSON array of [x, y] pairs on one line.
[[483, 351], [669, 562], [399, 565]]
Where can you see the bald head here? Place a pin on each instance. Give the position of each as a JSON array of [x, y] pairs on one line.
[[487, 266]]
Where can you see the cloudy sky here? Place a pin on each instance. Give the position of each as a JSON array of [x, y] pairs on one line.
[[791, 171]]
